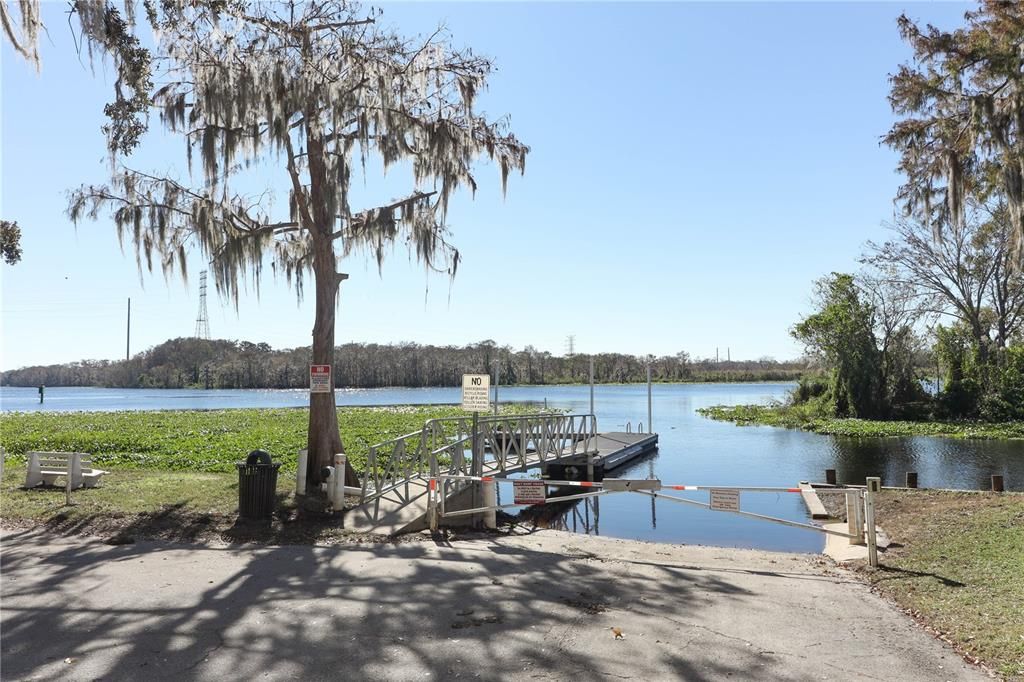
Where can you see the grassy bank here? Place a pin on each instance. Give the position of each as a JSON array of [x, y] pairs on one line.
[[173, 472], [796, 418], [957, 565], [204, 441]]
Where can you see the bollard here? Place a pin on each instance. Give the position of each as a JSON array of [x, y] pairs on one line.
[[300, 472], [911, 479], [338, 501], [490, 499], [874, 485], [830, 476], [854, 518], [997, 483], [432, 503]]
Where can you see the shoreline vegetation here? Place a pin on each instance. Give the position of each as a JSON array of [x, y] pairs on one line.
[[203, 363], [793, 417]]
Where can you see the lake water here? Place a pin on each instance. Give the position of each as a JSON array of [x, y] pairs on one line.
[[693, 451]]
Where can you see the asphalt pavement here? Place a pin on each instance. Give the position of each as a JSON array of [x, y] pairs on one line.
[[537, 606]]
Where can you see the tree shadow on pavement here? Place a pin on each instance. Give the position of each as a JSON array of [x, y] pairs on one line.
[[373, 611]]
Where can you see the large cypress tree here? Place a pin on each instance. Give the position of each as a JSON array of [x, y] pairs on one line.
[[312, 89]]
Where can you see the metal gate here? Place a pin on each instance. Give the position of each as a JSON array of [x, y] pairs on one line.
[[860, 502]]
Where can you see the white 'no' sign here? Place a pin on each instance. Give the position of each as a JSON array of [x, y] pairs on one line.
[[476, 392]]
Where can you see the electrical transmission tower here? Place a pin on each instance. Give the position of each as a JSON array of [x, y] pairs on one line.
[[202, 321], [570, 345]]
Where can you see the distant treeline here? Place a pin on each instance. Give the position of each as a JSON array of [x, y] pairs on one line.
[[189, 362]]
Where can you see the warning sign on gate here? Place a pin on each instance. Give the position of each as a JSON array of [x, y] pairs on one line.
[[319, 378], [529, 492], [476, 392], [723, 499]]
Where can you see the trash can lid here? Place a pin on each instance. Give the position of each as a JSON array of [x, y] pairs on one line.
[[258, 457]]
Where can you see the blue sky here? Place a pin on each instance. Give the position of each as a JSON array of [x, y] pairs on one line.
[[694, 168]]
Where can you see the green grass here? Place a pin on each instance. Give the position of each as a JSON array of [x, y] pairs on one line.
[[795, 417], [172, 473], [125, 492], [205, 441], [960, 569]]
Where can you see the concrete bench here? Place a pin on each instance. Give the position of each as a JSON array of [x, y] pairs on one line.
[[46, 467]]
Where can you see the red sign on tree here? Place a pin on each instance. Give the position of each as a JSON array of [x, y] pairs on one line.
[[319, 378]]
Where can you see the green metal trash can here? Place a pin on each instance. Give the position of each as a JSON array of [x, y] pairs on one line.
[[257, 485]]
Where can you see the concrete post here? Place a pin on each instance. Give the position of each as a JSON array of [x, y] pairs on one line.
[[300, 472], [490, 499], [854, 518], [432, 503], [874, 486], [339, 481]]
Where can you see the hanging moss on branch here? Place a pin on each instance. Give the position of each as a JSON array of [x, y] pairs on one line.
[[314, 90]]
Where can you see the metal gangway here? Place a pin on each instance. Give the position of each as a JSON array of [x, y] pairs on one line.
[[475, 446]]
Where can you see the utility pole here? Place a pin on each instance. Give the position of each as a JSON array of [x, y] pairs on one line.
[[128, 333]]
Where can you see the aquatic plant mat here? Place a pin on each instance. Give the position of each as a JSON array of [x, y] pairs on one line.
[[798, 417]]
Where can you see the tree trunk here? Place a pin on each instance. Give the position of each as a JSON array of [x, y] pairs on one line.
[[324, 438]]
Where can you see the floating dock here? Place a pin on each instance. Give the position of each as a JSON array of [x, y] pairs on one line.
[[614, 449]]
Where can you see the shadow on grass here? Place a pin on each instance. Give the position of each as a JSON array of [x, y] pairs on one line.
[[901, 573], [182, 521]]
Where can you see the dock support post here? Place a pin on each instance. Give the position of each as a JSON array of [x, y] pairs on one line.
[[591, 384], [911, 479], [830, 476], [874, 486], [997, 483], [497, 380], [650, 425]]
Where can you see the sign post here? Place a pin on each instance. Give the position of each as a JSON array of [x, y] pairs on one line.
[[319, 378], [476, 398]]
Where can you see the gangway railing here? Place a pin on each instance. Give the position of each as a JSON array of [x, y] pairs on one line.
[[506, 443]]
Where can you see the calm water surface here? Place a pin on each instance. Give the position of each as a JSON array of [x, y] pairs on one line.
[[693, 451]]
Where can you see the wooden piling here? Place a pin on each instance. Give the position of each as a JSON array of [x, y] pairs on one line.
[[997, 483], [830, 476], [911, 479]]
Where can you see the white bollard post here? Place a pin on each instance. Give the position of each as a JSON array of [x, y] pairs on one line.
[[854, 518], [300, 472], [874, 486], [339, 481], [490, 498], [432, 503]]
